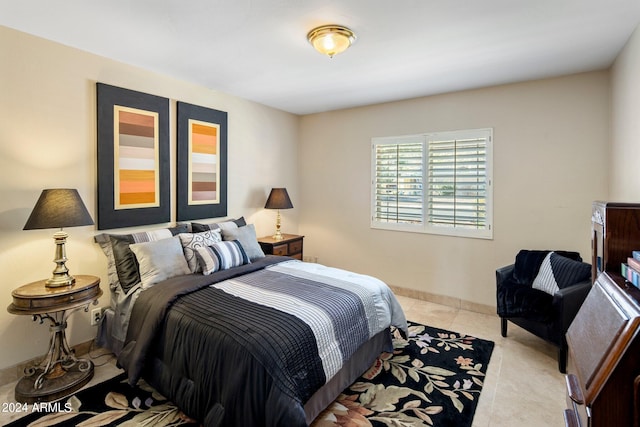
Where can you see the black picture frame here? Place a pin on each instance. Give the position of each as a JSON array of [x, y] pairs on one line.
[[112, 213], [186, 208]]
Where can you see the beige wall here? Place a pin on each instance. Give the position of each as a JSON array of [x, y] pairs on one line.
[[625, 123], [550, 142], [48, 140]]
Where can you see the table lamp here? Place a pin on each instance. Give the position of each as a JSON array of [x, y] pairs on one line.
[[58, 208], [278, 199]]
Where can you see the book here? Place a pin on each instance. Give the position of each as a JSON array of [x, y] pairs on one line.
[[631, 275], [636, 254], [634, 263]]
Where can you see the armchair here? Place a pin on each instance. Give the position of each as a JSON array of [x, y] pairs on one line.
[[542, 292]]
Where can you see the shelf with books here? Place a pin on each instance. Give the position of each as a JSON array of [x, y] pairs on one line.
[[631, 269]]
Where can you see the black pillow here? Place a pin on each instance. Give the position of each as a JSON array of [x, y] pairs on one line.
[[568, 272], [126, 263]]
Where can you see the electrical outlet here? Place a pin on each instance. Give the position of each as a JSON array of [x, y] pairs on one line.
[[96, 314]]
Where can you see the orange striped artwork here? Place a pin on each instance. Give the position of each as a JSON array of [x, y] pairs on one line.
[[137, 183], [204, 167]]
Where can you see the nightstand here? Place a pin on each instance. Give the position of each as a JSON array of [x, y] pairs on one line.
[[60, 372], [290, 245]]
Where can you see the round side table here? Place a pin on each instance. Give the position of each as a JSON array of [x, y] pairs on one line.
[[60, 372]]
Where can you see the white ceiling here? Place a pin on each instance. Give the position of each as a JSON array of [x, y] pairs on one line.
[[257, 49]]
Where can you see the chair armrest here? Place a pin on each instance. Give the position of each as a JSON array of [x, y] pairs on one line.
[[567, 302], [503, 274]]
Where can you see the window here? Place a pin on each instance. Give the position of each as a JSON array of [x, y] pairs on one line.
[[433, 183]]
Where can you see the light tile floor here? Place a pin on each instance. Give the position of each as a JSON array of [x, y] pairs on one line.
[[523, 386]]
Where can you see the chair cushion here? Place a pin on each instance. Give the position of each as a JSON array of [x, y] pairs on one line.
[[558, 272], [517, 300], [528, 263]]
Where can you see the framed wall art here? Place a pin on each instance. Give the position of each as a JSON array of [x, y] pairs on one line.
[[133, 158], [201, 163]]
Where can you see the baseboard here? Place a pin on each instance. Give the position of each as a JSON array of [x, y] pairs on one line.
[[14, 373], [444, 300]]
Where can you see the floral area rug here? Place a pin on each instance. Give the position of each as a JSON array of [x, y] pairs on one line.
[[433, 378]]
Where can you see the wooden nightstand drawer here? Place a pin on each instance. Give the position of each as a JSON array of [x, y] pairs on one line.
[[295, 247], [280, 250]]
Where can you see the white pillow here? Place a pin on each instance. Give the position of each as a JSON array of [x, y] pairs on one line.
[[159, 260]]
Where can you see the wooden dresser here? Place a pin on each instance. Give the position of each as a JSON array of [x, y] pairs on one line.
[[603, 380], [615, 233]]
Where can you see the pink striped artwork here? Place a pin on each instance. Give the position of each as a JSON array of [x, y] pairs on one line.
[[204, 165], [136, 176]]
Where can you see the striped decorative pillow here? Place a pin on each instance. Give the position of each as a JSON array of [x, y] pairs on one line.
[[191, 241], [221, 256], [558, 272]]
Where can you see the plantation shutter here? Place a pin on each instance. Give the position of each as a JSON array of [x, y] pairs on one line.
[[457, 181], [398, 178]]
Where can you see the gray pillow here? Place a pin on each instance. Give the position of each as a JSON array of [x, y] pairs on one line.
[[247, 237], [159, 260]]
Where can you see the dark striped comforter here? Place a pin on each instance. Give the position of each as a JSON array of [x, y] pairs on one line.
[[252, 349]]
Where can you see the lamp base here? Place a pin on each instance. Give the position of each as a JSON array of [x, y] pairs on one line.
[[278, 234], [61, 276], [60, 280]]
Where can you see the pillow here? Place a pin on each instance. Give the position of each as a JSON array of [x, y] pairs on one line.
[[122, 265], [105, 244], [232, 223], [528, 263], [191, 241], [240, 222], [159, 260], [221, 256], [558, 272], [247, 237]]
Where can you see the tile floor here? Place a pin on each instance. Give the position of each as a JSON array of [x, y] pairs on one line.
[[523, 386]]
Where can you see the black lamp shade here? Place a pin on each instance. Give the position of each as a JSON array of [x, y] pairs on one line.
[[278, 199], [58, 208]]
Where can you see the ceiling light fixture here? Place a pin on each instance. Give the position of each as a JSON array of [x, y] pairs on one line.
[[331, 39]]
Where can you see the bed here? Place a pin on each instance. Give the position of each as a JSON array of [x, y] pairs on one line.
[[266, 341]]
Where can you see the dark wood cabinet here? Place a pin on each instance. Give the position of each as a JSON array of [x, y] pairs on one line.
[[603, 380], [615, 233], [290, 245]]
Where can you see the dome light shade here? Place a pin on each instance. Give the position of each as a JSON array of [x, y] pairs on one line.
[[331, 39]]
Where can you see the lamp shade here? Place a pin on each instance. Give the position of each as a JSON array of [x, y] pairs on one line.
[[58, 208], [278, 199]]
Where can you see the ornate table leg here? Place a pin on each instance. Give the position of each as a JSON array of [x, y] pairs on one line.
[[60, 372]]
